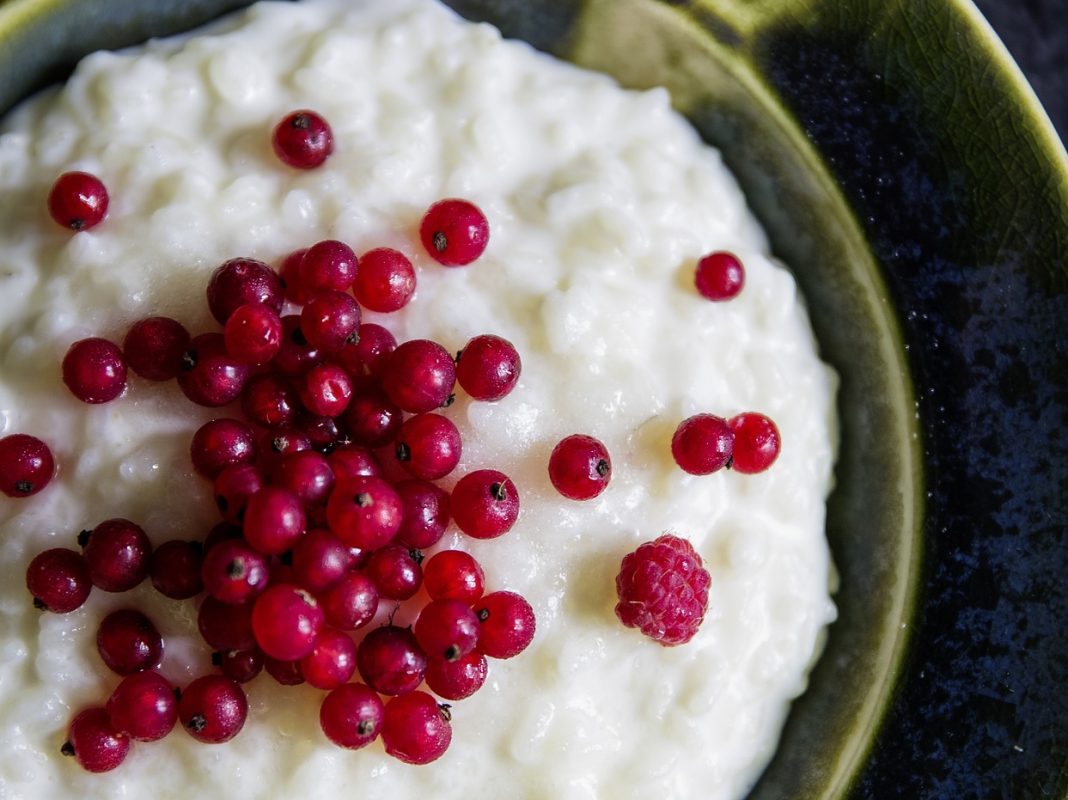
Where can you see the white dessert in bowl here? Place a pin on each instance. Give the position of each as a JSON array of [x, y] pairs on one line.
[[600, 201]]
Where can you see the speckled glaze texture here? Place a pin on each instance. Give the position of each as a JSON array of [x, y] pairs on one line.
[[901, 167], [973, 239]]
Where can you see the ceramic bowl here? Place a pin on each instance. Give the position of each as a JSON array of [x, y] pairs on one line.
[[907, 174]]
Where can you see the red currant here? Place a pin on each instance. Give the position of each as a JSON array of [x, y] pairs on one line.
[[488, 367], [396, 572], [307, 475], [327, 265], [350, 603], [455, 680], [507, 624], [386, 280], [94, 370], [94, 742], [234, 573], [233, 488], [226, 627], [484, 503], [580, 467], [320, 560], [129, 642], [326, 390], [419, 376], [349, 460], [454, 232], [59, 580], [117, 552], [330, 320], [213, 709], [390, 660], [367, 355], [425, 513], [240, 666], [143, 706], [154, 346], [210, 376], [221, 443], [719, 276], [286, 621], [289, 272], [703, 444], [296, 355], [351, 715], [240, 281], [303, 139], [455, 575], [78, 200], [447, 629], [372, 419], [428, 446], [253, 333], [174, 569], [415, 729], [26, 465], [287, 673], [270, 401], [756, 442], [274, 520], [364, 512], [331, 662]]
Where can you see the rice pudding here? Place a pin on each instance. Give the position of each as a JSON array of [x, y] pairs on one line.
[[600, 202]]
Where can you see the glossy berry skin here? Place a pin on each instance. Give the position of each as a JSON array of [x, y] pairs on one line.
[[703, 444], [117, 552], [286, 673], [78, 201], [286, 620], [324, 433], [94, 742], [174, 569], [663, 590], [274, 521], [454, 575], [94, 370], [328, 265], [296, 355], [210, 376], [330, 320], [396, 572], [350, 603], [143, 706], [455, 680], [153, 348], [757, 442], [325, 390], [367, 355], [507, 624], [425, 513], [364, 512], [351, 716], [484, 504], [233, 488], [719, 276], [26, 465], [428, 446], [488, 367], [302, 139], [253, 334], [372, 419], [275, 445], [234, 573], [580, 467], [415, 729], [350, 460], [226, 627], [447, 629], [241, 281], [219, 443], [307, 475], [269, 400], [331, 662], [454, 232], [391, 661], [240, 666], [419, 376], [385, 281], [128, 642], [59, 580], [289, 272], [320, 560], [213, 709]]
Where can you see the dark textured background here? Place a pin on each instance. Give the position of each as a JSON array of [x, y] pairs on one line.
[[1036, 33]]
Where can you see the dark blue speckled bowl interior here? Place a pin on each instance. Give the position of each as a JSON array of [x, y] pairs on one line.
[[905, 171]]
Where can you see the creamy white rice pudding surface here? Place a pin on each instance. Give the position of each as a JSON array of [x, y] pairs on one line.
[[599, 201]]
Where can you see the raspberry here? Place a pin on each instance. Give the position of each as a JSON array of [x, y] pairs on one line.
[[663, 590]]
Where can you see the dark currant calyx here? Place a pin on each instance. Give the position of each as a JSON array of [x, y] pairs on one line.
[[441, 242], [24, 487], [416, 555], [363, 500], [83, 537], [278, 444], [452, 653], [449, 400], [196, 723], [235, 569], [365, 727], [39, 604], [216, 658], [603, 468], [446, 711], [298, 338], [286, 558], [404, 452], [498, 492], [483, 614], [189, 360], [67, 749], [300, 122]]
